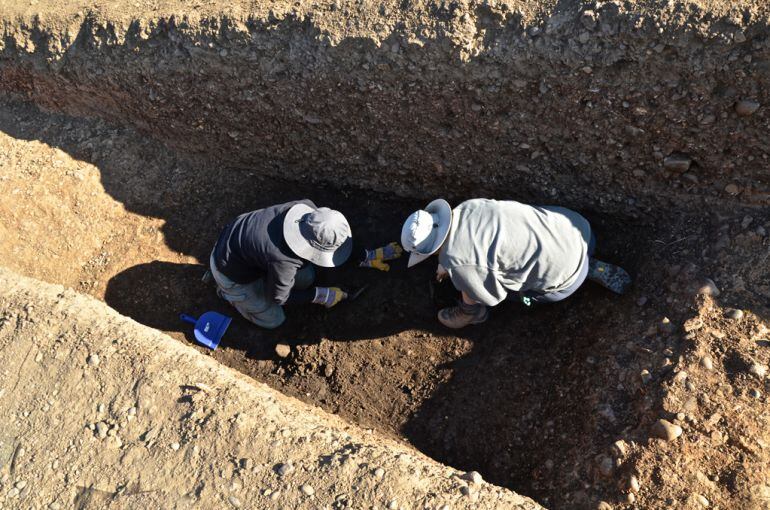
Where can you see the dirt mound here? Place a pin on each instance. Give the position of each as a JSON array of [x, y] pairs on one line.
[[100, 412]]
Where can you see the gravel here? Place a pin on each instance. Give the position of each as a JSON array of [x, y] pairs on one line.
[[307, 489], [93, 360]]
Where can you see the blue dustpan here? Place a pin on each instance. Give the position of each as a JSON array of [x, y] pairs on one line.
[[209, 327]]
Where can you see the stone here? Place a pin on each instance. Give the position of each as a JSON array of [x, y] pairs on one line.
[[758, 370], [630, 498], [284, 469], [20, 484], [307, 489], [679, 163], [473, 477], [746, 107], [282, 350], [734, 314], [246, 464], [755, 393], [93, 360], [702, 501], [175, 446], [328, 371], [633, 484], [392, 504], [620, 448], [732, 189], [666, 430], [379, 472], [101, 430], [707, 363], [605, 465], [645, 376], [234, 501], [603, 505]]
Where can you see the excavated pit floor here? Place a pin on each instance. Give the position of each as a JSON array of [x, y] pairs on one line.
[[528, 399]]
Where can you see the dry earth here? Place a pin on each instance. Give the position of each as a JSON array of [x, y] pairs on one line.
[[535, 400], [97, 411], [649, 117]]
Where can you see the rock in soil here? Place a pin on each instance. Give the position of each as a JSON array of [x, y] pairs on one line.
[[664, 429], [282, 350]]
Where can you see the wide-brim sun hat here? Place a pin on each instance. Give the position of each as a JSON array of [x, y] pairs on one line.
[[424, 231], [321, 235]]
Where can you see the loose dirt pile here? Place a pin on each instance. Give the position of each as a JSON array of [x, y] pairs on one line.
[[558, 402], [97, 411]]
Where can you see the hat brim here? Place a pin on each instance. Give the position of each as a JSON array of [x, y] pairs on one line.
[[302, 247], [443, 210]]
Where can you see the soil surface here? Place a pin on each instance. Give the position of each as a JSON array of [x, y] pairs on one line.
[[535, 399], [144, 421]]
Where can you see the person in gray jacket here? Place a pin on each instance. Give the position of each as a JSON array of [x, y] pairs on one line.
[[494, 250], [265, 259]]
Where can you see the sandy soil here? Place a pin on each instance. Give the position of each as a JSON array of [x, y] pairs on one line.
[[536, 400]]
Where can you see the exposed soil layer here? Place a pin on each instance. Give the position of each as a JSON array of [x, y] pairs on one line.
[[619, 107], [534, 399]]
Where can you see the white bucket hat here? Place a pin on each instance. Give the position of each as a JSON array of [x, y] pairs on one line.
[[424, 231], [321, 235]]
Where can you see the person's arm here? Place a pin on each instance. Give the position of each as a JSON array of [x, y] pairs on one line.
[[280, 281]]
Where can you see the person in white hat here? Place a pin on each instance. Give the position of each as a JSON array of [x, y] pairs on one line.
[[265, 259], [492, 250]]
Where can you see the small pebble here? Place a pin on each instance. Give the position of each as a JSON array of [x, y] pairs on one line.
[[284, 469], [175, 446], [246, 464], [755, 393], [473, 477], [630, 498], [664, 429], [379, 472], [132, 411], [392, 504], [282, 350], [620, 448], [707, 363], [234, 501], [93, 359], [702, 501], [734, 314], [603, 505], [101, 429], [307, 490], [677, 163], [646, 376], [606, 466], [706, 286], [275, 495], [633, 484], [20, 484], [746, 107], [758, 370], [54, 506]]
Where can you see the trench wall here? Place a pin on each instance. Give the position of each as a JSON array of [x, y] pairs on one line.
[[632, 106]]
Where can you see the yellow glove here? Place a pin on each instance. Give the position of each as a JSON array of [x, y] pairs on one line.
[[329, 296], [376, 258]]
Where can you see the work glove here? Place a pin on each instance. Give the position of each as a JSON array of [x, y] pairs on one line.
[[376, 258], [328, 296]]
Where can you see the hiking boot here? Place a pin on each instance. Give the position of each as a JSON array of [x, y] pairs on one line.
[[462, 315], [609, 276]]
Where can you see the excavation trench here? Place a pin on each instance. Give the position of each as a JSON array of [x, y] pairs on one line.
[[529, 399]]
